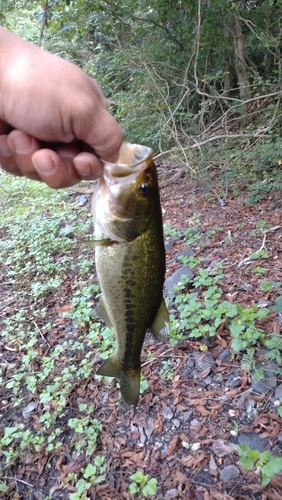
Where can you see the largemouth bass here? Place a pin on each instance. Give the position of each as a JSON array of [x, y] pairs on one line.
[[130, 262]]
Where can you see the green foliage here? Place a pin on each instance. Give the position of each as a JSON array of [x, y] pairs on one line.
[[37, 252], [142, 485], [243, 327], [92, 474], [268, 464], [201, 310], [267, 168], [164, 91]]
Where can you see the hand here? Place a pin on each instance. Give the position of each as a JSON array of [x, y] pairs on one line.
[[54, 123]]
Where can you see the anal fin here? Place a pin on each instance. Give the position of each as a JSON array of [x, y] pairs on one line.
[[110, 368], [161, 324], [129, 382]]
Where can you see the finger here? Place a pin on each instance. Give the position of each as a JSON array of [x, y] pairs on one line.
[[88, 166], [55, 171], [106, 138], [7, 161], [23, 146]]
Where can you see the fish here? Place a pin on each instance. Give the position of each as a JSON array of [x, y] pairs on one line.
[[130, 262]]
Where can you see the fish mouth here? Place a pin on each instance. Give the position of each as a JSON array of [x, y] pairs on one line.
[[131, 161], [114, 201]]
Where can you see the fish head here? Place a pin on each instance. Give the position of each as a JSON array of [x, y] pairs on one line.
[[124, 200]]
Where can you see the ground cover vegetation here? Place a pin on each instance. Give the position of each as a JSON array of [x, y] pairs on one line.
[[200, 83]]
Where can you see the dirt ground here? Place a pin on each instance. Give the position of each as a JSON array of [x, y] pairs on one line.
[[183, 430]]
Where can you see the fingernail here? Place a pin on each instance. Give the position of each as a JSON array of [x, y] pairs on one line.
[[44, 166], [82, 167], [21, 142]]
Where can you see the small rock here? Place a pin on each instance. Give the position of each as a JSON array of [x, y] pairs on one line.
[[176, 422], [252, 412], [189, 252], [28, 409], [263, 303], [253, 441], [167, 413], [279, 439], [203, 360], [173, 493], [225, 355], [195, 422], [203, 477], [82, 200], [168, 245], [208, 380], [172, 281], [214, 263], [264, 377], [217, 379], [187, 415], [278, 392], [190, 362], [234, 379], [229, 473]]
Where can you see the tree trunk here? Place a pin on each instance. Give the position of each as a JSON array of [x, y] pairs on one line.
[[227, 65], [240, 61]]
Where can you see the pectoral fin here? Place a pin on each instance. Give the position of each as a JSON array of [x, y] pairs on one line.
[[106, 242], [161, 324], [101, 312]]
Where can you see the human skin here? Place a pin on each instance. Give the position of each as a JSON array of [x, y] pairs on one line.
[[54, 123]]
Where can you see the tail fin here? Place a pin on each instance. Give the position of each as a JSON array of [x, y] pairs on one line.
[[130, 387], [129, 382]]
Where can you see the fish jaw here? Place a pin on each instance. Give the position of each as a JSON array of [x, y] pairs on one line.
[[117, 204]]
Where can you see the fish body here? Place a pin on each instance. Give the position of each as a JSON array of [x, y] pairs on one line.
[[130, 262]]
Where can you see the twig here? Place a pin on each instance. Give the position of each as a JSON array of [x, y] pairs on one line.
[[180, 173], [19, 480], [41, 334], [249, 260]]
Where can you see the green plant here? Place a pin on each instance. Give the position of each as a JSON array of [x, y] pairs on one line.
[[166, 370], [243, 327], [268, 285], [260, 254], [142, 485], [268, 464], [261, 226], [93, 473], [259, 270]]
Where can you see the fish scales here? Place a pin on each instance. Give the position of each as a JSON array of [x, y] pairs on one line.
[[130, 271]]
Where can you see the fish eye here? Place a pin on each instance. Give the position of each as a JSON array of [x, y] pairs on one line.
[[144, 189]]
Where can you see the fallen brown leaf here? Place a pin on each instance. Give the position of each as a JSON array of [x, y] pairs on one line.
[[172, 446]]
